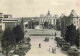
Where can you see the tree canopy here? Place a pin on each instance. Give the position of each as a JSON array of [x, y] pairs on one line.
[[8, 40], [77, 38], [70, 35], [19, 34]]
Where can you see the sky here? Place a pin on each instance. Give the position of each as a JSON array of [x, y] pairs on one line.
[[33, 8]]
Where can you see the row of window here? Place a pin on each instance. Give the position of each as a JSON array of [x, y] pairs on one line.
[[5, 16], [7, 20]]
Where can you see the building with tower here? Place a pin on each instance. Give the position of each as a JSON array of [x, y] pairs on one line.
[[75, 18], [43, 18], [48, 18]]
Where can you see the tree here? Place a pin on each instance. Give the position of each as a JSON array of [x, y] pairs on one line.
[[58, 24], [63, 26], [65, 21], [70, 35], [8, 41], [46, 24], [55, 34], [77, 38], [1, 34], [50, 26], [31, 25], [22, 25], [19, 34], [36, 23]]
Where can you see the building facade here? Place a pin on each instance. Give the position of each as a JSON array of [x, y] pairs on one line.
[[73, 18], [7, 21], [76, 19], [48, 18], [42, 19]]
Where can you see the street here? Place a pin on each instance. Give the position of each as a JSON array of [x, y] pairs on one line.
[[44, 50]]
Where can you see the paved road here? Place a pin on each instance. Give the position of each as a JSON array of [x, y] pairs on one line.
[[44, 50]]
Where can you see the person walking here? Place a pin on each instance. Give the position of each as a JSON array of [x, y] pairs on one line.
[[49, 48], [55, 50], [52, 50], [57, 45], [39, 45], [55, 34]]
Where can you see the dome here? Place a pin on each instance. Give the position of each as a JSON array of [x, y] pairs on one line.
[[48, 14]]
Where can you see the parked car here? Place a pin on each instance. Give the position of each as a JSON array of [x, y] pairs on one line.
[[73, 52], [46, 39], [65, 46]]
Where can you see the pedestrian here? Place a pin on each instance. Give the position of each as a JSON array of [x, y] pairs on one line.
[[49, 48], [57, 45], [55, 51], [52, 50], [39, 45]]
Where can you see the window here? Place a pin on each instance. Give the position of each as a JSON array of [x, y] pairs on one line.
[[5, 16]]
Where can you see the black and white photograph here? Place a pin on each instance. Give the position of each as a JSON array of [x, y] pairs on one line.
[[39, 27]]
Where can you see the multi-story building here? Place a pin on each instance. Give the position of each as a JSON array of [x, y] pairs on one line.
[[7, 21], [43, 18], [76, 19], [72, 18], [48, 18]]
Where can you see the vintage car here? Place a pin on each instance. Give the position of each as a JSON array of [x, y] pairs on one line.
[[57, 38], [46, 39], [73, 52], [22, 49], [65, 46], [61, 42]]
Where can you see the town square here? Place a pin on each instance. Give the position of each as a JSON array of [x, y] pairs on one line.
[[39, 28]]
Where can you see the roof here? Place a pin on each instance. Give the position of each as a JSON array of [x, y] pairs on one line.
[[9, 19]]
